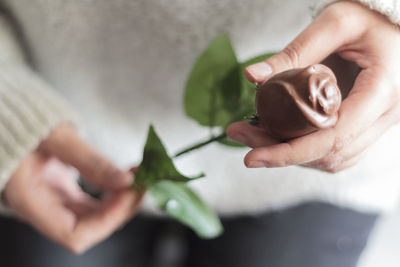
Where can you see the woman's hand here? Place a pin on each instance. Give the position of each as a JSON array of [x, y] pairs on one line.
[[44, 193], [356, 34]]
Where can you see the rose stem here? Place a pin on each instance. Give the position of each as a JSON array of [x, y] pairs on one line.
[[201, 144]]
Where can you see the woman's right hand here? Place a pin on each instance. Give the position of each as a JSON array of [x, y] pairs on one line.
[[44, 193], [359, 35]]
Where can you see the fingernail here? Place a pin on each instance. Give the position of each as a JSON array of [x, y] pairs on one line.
[[259, 71], [240, 138], [256, 164]]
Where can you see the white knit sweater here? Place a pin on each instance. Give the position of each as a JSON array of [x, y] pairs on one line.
[[123, 64]]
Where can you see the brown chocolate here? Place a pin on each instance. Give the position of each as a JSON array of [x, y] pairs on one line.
[[299, 101]]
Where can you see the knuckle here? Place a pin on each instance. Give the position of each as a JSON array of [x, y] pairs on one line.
[[96, 167], [21, 204], [339, 144], [325, 164], [75, 244], [338, 14], [283, 162], [57, 137], [110, 171], [95, 163], [110, 174], [331, 163], [334, 169], [286, 158], [292, 54], [76, 249], [105, 174]]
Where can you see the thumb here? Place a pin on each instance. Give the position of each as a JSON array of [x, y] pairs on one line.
[[321, 38]]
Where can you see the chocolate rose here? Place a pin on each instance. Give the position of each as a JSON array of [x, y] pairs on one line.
[[299, 101]]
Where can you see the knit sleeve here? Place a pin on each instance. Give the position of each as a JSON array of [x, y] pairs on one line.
[[29, 109], [389, 8]]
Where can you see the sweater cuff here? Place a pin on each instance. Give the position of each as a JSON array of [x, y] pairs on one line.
[[29, 110], [389, 8]]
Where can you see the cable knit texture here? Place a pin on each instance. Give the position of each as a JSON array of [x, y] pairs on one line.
[[28, 107], [389, 8], [123, 64]]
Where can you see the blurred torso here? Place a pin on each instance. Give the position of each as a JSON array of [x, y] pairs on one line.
[[123, 65]]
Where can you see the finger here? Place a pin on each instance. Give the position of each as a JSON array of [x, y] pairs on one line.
[[46, 212], [81, 206], [249, 135], [66, 145], [102, 222], [368, 100], [62, 180], [296, 151], [45, 209], [78, 233], [338, 161], [311, 46]]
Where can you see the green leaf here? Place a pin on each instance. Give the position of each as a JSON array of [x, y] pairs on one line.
[[217, 92], [158, 174], [181, 203], [156, 165], [212, 92]]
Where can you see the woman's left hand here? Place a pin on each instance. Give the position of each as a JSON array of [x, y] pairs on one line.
[[357, 34]]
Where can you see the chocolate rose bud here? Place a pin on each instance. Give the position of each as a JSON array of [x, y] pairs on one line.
[[299, 101]]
